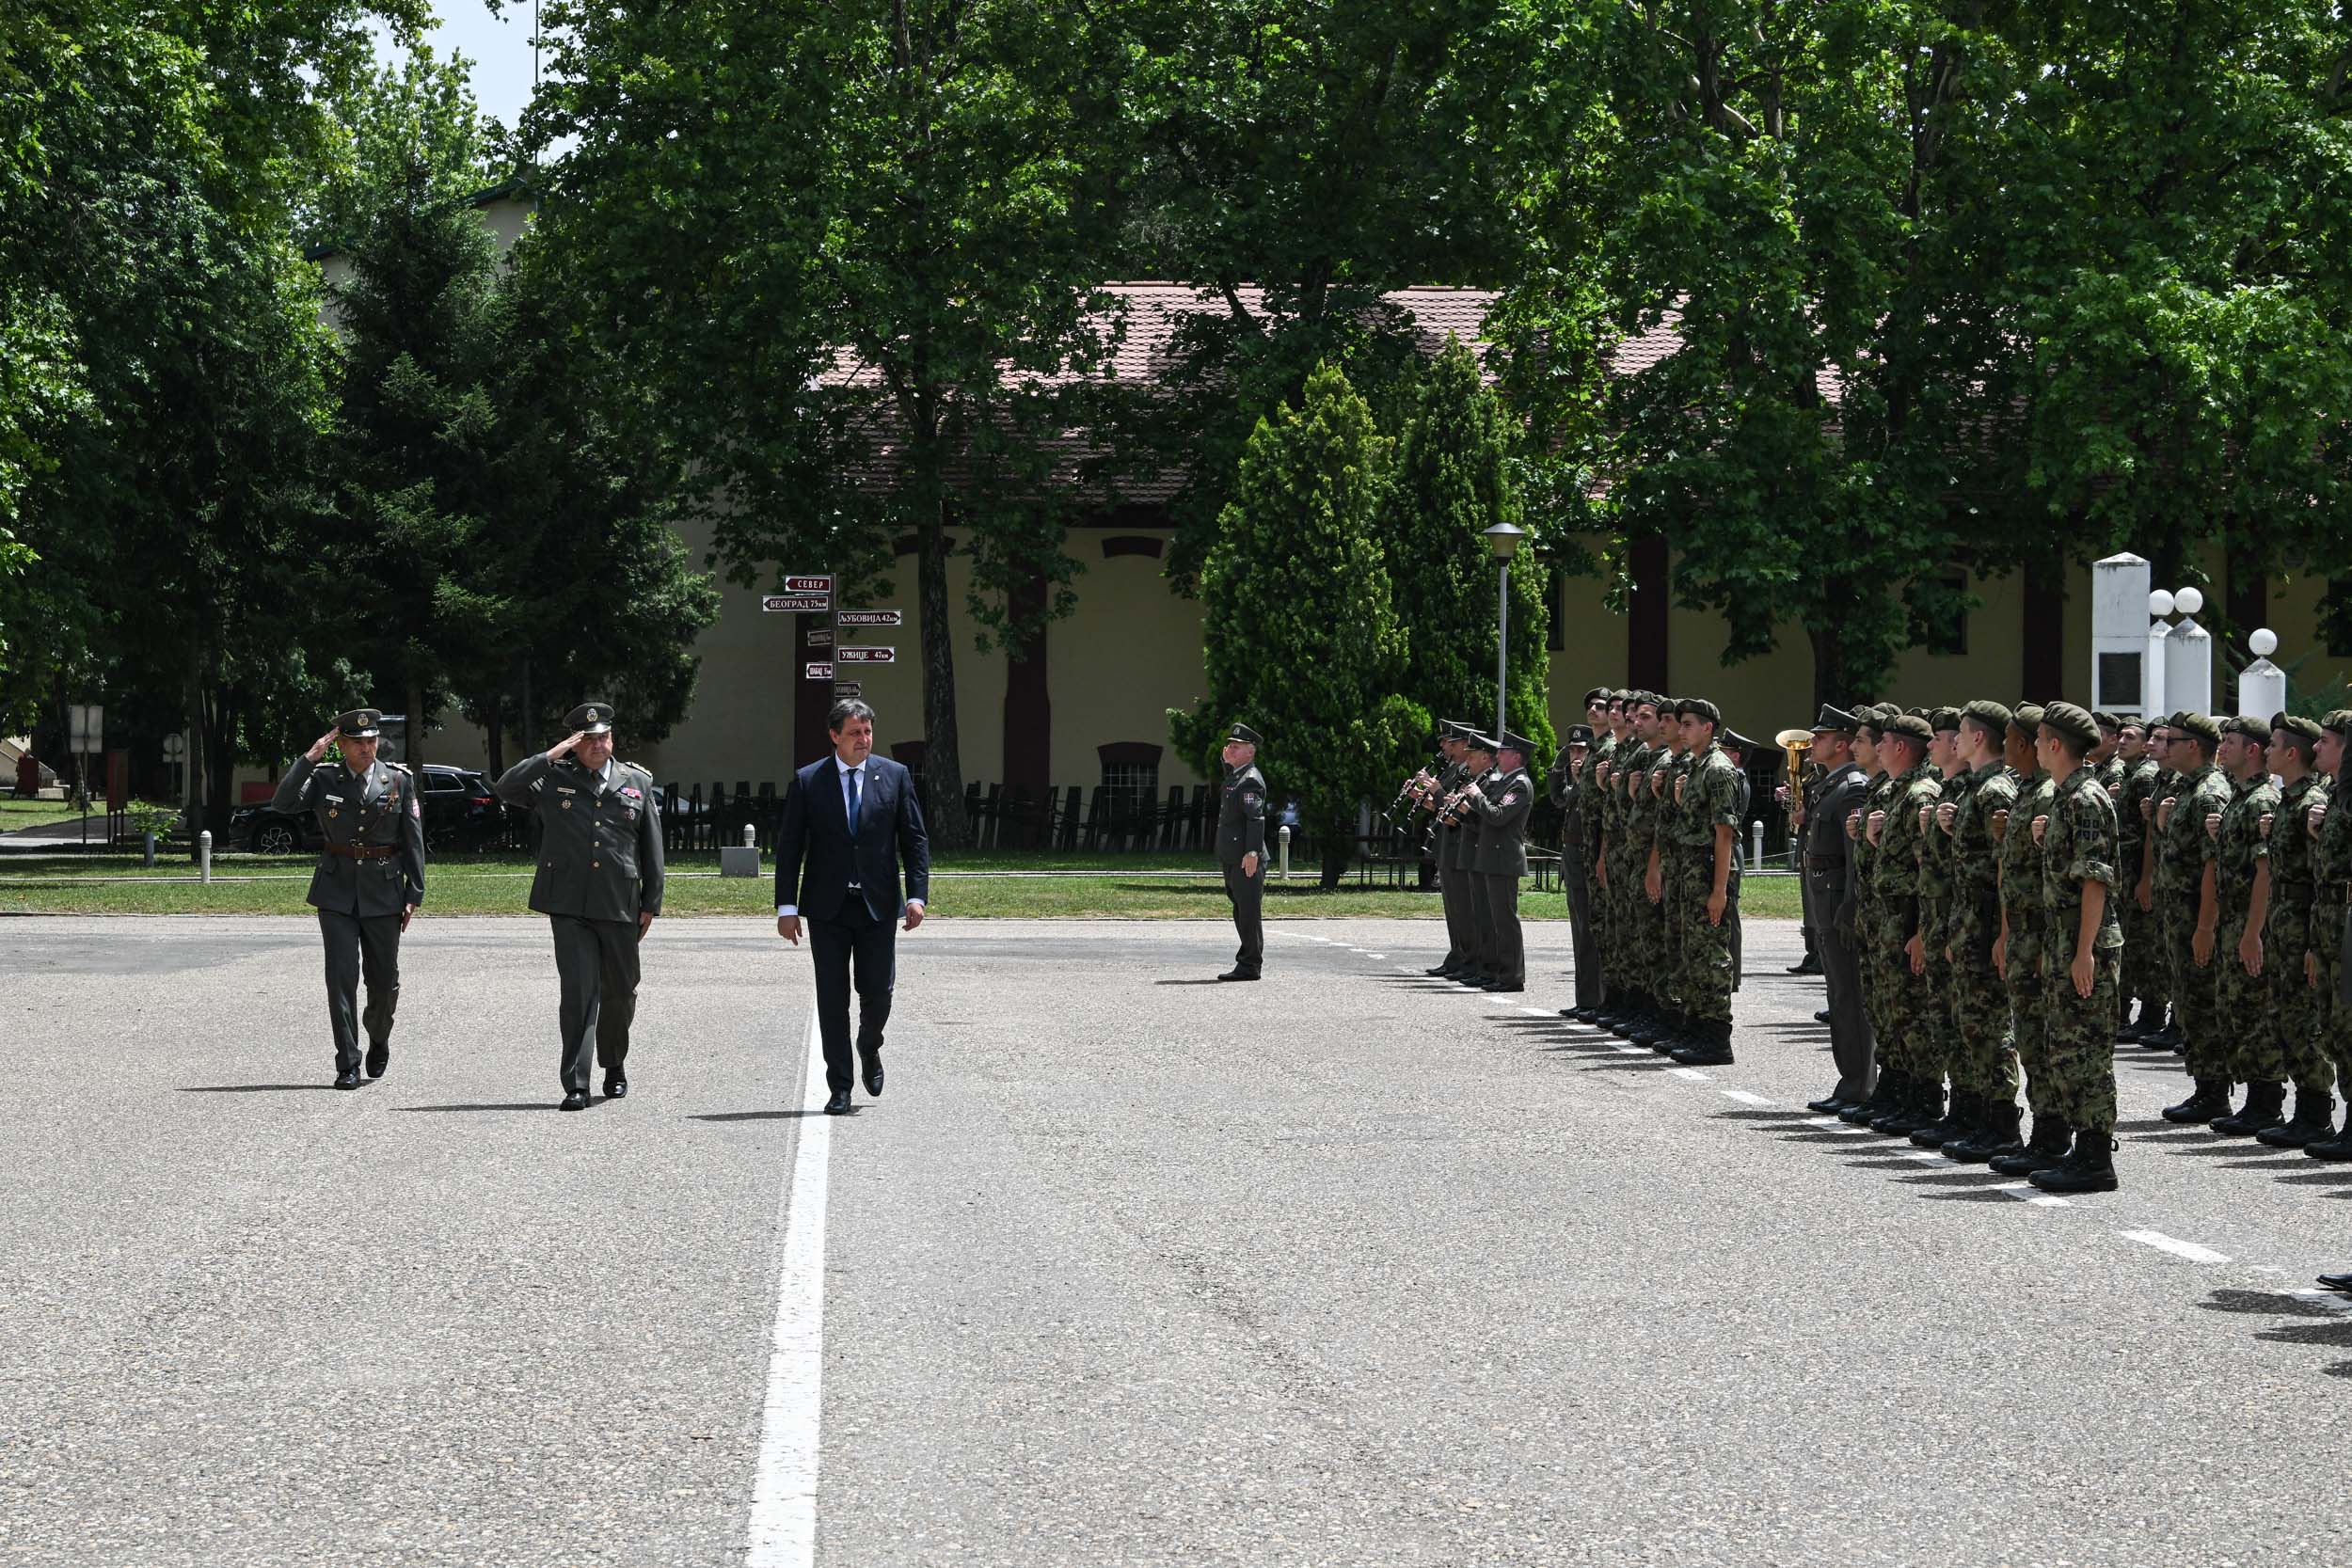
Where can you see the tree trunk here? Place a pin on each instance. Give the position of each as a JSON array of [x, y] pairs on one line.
[[942, 761], [412, 744], [1829, 669]]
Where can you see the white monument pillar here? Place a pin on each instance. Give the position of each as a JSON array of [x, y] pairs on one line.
[[2160, 701], [2118, 635], [2189, 665], [2262, 686]]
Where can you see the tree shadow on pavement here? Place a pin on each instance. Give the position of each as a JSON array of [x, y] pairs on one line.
[[2321, 1324]]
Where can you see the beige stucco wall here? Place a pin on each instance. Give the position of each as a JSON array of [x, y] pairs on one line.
[[1128, 653]]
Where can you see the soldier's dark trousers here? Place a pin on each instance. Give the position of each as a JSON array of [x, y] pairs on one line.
[[1506, 947], [854, 952], [596, 962], [358, 948], [1482, 925], [1453, 892], [1581, 936], [1852, 1045], [1247, 893]]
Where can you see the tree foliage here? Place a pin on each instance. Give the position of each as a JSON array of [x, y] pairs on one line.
[[1301, 639]]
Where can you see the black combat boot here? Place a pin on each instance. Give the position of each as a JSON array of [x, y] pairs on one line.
[[2090, 1168], [1926, 1110], [2336, 1147], [1622, 1013], [2266, 1106], [2169, 1037], [1681, 1030], [2046, 1149], [2210, 1099], [1996, 1134], [1953, 1126], [2314, 1117], [2135, 1026], [1886, 1097], [1646, 1029], [1710, 1044]]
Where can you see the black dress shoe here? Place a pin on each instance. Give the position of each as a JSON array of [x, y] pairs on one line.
[[1442, 970], [379, 1057], [1239, 974], [2337, 1282], [615, 1087], [1822, 1016], [574, 1100], [1828, 1105], [1499, 986], [347, 1079], [839, 1104], [874, 1075]]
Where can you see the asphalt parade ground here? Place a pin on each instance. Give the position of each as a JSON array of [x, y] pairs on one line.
[[1127, 1266]]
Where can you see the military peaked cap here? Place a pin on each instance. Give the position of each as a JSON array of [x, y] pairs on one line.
[[1244, 733], [2073, 722], [1835, 720], [591, 719], [1580, 734], [1734, 741], [1598, 694], [1477, 742], [1511, 741], [361, 724]]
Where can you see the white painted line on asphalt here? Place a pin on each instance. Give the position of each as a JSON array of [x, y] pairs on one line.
[[1744, 1097], [1831, 1124], [2029, 1193], [1536, 1012], [784, 1489], [1383, 957], [1693, 1074], [1623, 1048], [1925, 1156], [2177, 1249], [1405, 969], [2334, 1301]]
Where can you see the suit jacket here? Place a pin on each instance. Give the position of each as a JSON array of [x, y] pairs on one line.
[[818, 856], [379, 809], [599, 843]]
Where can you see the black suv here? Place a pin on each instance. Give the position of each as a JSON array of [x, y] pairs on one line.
[[461, 812]]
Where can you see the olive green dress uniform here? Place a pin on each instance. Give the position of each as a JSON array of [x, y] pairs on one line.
[[1241, 831], [370, 868], [1478, 967], [599, 867], [1500, 806], [1453, 889]]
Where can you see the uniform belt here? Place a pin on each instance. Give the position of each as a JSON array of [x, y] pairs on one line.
[[362, 851], [1825, 863]]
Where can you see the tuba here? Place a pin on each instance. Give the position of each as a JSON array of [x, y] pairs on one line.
[[1795, 744]]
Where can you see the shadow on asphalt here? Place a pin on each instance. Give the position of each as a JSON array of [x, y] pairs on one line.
[[1202, 980], [249, 1088], [763, 1116], [508, 1106], [2321, 1325]]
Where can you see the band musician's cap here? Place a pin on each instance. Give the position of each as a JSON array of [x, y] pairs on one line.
[[361, 724], [1835, 720], [1243, 733], [1477, 742], [2076, 723], [1511, 741], [591, 719], [1732, 740]]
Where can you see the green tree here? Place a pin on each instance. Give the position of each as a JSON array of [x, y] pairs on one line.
[[852, 245], [1301, 639]]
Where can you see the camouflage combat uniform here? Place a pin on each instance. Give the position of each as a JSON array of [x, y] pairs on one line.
[[2025, 906], [2245, 1000], [2078, 849], [2288, 937], [2182, 852], [1711, 800], [1985, 1063]]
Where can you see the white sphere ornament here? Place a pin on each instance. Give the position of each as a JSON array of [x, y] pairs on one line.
[[2160, 601], [2188, 601], [2265, 642]]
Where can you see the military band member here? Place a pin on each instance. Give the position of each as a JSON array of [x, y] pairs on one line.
[[1500, 806], [369, 882], [1478, 762], [2082, 957], [600, 883], [1838, 788], [1241, 849], [1453, 895]]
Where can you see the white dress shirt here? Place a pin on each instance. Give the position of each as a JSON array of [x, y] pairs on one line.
[[864, 782]]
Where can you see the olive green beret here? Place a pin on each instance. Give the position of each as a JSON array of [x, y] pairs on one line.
[[1990, 714], [2251, 728], [1598, 694], [2073, 722], [2297, 728], [1911, 725], [2199, 725], [2104, 720], [2026, 717], [1699, 707], [2340, 721], [1944, 719]]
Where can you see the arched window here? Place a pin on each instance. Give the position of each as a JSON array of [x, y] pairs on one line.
[[1131, 770]]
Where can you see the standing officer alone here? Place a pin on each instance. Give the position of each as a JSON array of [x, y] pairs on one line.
[[1241, 849], [1500, 807], [369, 882], [598, 883]]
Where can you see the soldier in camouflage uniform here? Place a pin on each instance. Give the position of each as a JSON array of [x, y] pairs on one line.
[[1861, 913], [1710, 800], [2018, 949], [1939, 1037], [2287, 935], [2185, 891], [2243, 990], [1635, 829], [2330, 831], [1984, 1070], [2144, 951], [1591, 976], [2164, 748], [1657, 882], [1624, 1004], [2083, 954], [1900, 949], [1599, 819]]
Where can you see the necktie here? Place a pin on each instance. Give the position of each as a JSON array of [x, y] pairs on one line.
[[853, 775]]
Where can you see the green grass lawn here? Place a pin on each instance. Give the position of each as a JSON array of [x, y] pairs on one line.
[[15, 814], [971, 886]]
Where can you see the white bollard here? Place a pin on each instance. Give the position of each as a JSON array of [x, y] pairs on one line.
[[1755, 844], [204, 855], [1284, 835], [751, 836], [147, 850]]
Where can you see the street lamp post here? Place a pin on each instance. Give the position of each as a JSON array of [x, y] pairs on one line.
[[1503, 540]]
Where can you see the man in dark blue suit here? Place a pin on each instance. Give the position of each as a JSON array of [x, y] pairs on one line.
[[852, 821]]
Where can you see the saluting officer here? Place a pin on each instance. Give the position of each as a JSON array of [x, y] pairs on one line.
[[1241, 849], [369, 882], [598, 883]]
